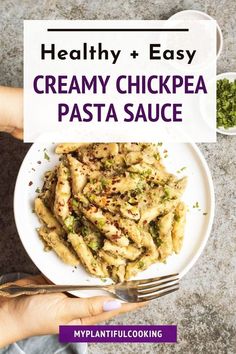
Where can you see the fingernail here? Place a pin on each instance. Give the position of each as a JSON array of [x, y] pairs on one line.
[[111, 305]]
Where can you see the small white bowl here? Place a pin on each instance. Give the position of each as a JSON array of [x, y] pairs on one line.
[[231, 76], [199, 15]]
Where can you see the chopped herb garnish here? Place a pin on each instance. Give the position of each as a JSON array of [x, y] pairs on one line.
[[93, 245], [92, 197], [104, 280], [158, 242], [204, 213], [103, 182], [70, 223], [153, 228], [196, 205], [108, 164], [181, 169], [37, 190], [156, 156], [46, 157], [132, 175], [75, 203], [140, 264], [101, 222], [166, 195], [92, 180], [226, 103], [146, 173], [84, 231]]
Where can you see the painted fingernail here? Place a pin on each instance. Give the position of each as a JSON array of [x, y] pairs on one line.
[[111, 305]]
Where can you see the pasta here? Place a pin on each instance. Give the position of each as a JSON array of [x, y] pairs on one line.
[[114, 208], [61, 247]]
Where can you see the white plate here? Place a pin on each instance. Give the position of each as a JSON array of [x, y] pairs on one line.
[[197, 231], [231, 76], [187, 15]]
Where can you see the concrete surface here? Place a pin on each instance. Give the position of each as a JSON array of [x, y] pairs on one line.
[[204, 308]]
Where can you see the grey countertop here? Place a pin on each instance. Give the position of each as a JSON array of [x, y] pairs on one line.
[[204, 307]]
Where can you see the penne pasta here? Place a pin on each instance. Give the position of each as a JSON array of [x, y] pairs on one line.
[[85, 255], [130, 252], [104, 225], [118, 274], [165, 225], [178, 226], [113, 207], [60, 247], [111, 259], [62, 193], [47, 217], [68, 147], [133, 268], [79, 174]]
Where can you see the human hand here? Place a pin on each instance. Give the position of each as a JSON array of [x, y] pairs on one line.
[[11, 111], [26, 316]]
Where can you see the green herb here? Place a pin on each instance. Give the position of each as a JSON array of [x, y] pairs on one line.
[[101, 222], [159, 144], [196, 205], [133, 175], [153, 229], [156, 156], [140, 264], [137, 191], [70, 223], [158, 242], [166, 195], [84, 231], [103, 182], [108, 164], [146, 173], [181, 169], [204, 214], [46, 157], [104, 280], [92, 180], [75, 203], [92, 197], [94, 245], [226, 103], [37, 190]]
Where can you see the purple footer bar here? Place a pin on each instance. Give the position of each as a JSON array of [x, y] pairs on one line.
[[118, 334]]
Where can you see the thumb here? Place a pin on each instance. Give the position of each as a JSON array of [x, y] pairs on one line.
[[17, 133], [89, 307]]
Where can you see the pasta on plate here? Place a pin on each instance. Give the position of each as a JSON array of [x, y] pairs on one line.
[[111, 207]]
